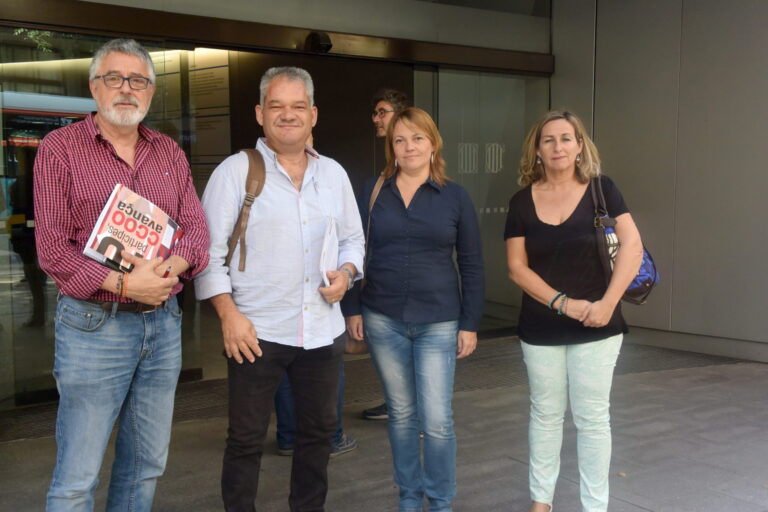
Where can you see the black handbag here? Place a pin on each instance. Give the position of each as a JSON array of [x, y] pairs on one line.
[[608, 246]]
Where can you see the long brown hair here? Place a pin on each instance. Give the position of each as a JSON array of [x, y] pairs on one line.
[[532, 170], [422, 121]]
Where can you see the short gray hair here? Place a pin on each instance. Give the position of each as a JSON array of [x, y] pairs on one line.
[[291, 73], [127, 46]]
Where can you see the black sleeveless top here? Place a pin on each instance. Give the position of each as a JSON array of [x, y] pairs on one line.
[[565, 257]]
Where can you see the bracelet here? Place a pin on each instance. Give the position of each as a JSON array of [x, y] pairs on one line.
[[563, 305], [119, 285], [351, 282], [124, 289], [554, 299]]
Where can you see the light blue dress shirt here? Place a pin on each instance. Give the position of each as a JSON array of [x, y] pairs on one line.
[[278, 291]]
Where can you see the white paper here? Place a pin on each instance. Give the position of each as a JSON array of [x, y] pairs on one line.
[[329, 256]]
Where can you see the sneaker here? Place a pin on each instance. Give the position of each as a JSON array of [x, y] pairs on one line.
[[346, 444], [285, 452], [376, 413]]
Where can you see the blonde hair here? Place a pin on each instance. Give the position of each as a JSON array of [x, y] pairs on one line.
[[532, 170], [420, 120]]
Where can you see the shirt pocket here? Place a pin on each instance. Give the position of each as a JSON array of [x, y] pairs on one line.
[[329, 202]]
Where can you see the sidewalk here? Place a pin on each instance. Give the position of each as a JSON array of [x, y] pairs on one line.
[[690, 434]]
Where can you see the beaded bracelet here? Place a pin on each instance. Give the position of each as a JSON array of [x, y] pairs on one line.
[[124, 290], [563, 305], [554, 299], [119, 285]]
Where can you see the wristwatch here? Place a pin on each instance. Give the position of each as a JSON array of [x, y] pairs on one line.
[[351, 282]]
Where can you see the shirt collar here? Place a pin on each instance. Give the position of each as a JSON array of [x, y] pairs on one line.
[[429, 181], [268, 152], [93, 129]]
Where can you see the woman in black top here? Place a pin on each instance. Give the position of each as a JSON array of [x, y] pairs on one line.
[[570, 325]]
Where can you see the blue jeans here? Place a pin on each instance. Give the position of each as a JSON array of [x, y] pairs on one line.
[[416, 364], [109, 366], [286, 413], [585, 373]]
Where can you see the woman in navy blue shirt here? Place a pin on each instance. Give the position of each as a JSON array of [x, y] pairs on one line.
[[416, 311]]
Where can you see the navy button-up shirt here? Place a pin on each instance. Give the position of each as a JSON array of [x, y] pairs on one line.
[[411, 273]]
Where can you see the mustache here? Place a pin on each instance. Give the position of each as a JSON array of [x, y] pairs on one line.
[[125, 99]]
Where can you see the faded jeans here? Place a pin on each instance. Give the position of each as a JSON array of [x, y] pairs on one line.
[[583, 373], [416, 363], [109, 366]]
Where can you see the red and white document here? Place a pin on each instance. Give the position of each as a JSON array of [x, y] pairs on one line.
[[132, 223]]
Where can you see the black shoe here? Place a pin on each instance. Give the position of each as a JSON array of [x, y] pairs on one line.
[[376, 413], [345, 445]]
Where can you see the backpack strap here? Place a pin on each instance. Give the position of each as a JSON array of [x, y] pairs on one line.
[[254, 184]]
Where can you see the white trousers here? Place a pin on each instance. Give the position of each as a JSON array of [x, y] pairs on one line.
[[583, 373]]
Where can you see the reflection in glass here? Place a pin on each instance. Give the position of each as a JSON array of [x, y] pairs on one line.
[[44, 86], [483, 120]]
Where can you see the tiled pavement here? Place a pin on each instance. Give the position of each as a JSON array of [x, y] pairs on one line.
[[690, 434]]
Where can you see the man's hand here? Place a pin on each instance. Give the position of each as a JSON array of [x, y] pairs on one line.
[[239, 337], [174, 266], [355, 327], [143, 284], [338, 287], [467, 341]]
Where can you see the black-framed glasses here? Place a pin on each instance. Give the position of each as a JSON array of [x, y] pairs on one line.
[[115, 81], [380, 113]]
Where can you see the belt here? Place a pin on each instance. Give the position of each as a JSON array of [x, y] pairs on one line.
[[126, 307]]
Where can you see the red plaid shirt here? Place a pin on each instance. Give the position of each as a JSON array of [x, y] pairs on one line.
[[75, 171]]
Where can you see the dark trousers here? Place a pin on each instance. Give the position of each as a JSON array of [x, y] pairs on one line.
[[286, 414], [313, 375]]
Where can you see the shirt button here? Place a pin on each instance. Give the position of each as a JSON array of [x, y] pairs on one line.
[[306, 280], [306, 308], [305, 223], [306, 250]]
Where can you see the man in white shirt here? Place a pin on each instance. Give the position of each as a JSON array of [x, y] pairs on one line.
[[277, 315]]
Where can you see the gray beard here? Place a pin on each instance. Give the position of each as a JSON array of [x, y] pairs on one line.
[[124, 119]]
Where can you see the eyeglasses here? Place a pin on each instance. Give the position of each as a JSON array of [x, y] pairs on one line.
[[380, 113], [114, 81]]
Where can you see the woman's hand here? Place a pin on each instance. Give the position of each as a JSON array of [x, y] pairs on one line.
[[355, 327], [577, 309], [467, 341], [599, 313]]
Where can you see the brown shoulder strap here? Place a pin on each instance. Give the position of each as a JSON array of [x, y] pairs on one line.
[[254, 184], [374, 195]]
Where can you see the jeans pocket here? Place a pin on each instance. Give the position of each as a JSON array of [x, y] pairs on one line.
[[175, 309], [82, 318]]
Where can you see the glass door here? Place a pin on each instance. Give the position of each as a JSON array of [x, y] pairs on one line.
[[483, 118]]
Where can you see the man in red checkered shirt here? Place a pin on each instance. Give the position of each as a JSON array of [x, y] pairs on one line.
[[118, 336]]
